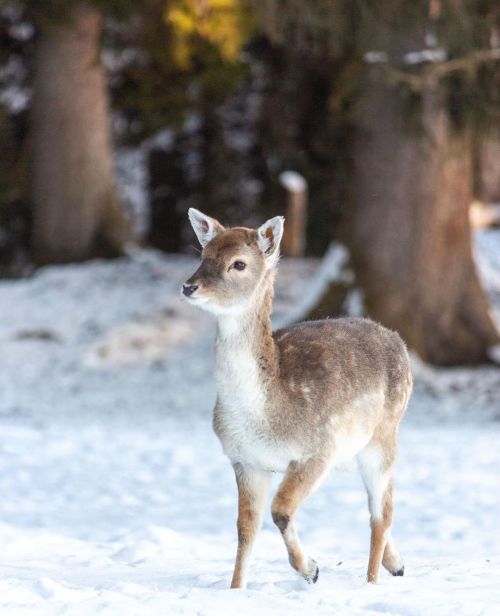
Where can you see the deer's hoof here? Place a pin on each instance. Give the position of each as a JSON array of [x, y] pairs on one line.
[[311, 577]]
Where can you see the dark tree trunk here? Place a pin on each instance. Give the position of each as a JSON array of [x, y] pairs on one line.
[[409, 227], [76, 210]]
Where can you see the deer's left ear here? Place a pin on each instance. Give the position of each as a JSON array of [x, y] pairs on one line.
[[269, 237], [206, 228]]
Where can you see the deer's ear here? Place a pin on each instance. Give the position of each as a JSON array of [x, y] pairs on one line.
[[206, 228], [269, 237]]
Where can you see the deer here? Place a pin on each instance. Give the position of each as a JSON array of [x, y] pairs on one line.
[[301, 401]]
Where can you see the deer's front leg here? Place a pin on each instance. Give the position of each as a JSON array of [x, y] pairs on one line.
[[253, 487]]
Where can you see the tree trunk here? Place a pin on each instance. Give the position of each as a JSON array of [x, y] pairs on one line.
[[409, 227], [487, 165], [76, 211]]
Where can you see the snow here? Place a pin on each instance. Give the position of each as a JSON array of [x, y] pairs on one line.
[[375, 57], [430, 54], [293, 181], [15, 99], [132, 182], [333, 267], [14, 94], [131, 168], [117, 499], [22, 31], [425, 55], [494, 353], [487, 255]]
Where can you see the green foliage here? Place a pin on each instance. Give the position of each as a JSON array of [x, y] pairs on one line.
[[206, 40], [189, 54]]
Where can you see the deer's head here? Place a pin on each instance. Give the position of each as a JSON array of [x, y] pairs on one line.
[[234, 263]]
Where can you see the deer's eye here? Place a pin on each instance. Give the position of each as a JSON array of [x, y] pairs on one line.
[[239, 265]]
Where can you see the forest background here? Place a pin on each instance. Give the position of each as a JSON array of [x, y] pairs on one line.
[[117, 116]]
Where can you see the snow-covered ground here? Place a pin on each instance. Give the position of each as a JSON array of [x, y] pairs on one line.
[[117, 499]]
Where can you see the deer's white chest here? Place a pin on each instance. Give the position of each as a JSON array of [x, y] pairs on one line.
[[239, 386], [242, 412], [248, 440]]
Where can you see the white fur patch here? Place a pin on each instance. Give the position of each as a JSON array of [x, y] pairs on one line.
[[348, 445], [350, 440], [370, 465]]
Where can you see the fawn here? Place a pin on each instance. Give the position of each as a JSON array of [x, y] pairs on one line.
[[299, 401]]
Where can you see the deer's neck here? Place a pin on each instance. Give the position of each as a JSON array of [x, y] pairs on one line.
[[246, 357]]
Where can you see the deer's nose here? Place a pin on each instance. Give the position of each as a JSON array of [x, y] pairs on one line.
[[189, 289]]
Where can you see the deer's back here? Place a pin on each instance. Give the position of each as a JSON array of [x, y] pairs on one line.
[[343, 367]]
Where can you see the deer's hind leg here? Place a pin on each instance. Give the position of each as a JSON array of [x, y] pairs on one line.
[[375, 466], [299, 481]]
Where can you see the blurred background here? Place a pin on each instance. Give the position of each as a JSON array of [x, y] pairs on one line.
[[373, 126], [116, 116]]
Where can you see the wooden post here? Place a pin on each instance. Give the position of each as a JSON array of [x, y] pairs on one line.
[[294, 237]]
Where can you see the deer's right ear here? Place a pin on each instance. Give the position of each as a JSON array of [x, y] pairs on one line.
[[269, 237], [206, 228]]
